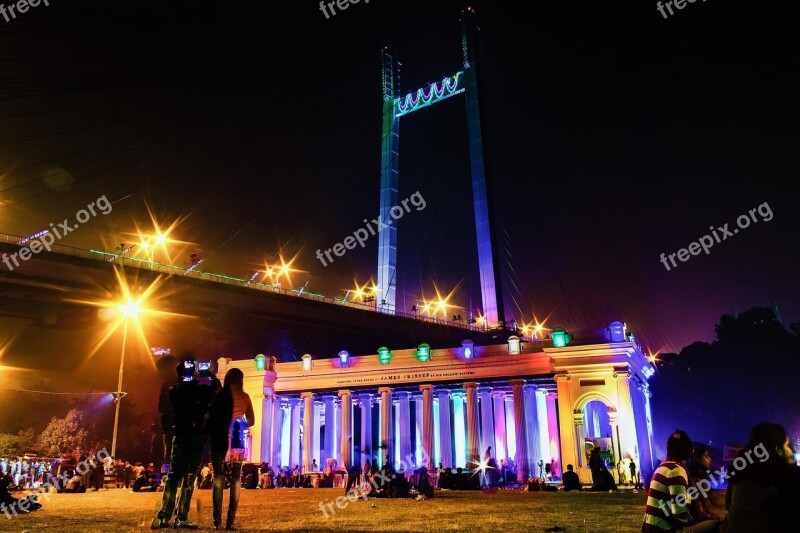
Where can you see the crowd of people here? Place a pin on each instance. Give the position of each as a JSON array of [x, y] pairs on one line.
[[760, 496], [29, 473]]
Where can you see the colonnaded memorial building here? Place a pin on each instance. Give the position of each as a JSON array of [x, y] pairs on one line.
[[536, 402]]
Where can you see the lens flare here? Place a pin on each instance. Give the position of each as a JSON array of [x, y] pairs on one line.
[[134, 311]]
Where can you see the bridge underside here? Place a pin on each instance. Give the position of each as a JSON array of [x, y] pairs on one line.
[[39, 316]]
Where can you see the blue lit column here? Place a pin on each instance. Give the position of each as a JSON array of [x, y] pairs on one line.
[[417, 444], [294, 450], [445, 432], [532, 439], [403, 425], [365, 401], [491, 292], [487, 421], [316, 426], [390, 145]]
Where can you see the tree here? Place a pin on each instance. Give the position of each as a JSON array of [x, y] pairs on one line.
[[26, 440], [8, 445], [69, 435], [718, 391]]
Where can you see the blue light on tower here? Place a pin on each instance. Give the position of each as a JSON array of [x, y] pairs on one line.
[[344, 358], [467, 349], [617, 331]]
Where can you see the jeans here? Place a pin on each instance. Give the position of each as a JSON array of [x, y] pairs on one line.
[[187, 451], [219, 448]]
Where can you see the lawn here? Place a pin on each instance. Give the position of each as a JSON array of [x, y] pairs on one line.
[[118, 511]]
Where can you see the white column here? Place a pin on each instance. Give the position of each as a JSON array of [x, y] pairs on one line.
[[266, 426], [417, 444], [294, 429], [337, 441], [386, 418], [347, 427], [544, 425], [487, 422], [257, 431], [277, 431], [459, 431], [308, 430], [404, 425], [500, 443], [366, 428], [286, 433]]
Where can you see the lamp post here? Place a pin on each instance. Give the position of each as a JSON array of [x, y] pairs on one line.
[[129, 311]]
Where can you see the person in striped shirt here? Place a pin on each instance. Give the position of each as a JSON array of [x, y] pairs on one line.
[[667, 506]]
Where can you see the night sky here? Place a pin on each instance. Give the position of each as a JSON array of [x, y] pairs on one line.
[[614, 136]]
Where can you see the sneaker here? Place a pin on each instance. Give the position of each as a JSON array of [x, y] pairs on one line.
[[159, 523], [185, 524]]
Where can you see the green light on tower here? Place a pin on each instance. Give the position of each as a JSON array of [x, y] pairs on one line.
[[384, 355], [261, 362], [423, 353], [560, 337]]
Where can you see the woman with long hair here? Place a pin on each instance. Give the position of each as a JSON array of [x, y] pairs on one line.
[[230, 408], [763, 494]]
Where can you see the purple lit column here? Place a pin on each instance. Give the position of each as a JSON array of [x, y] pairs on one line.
[[500, 443], [445, 432]]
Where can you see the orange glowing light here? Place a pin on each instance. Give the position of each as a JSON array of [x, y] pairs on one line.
[[159, 238], [441, 304], [137, 310], [361, 292]]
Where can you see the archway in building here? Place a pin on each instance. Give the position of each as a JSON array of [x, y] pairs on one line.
[[597, 432]]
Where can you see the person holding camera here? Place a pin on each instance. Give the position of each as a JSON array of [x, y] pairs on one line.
[[191, 403], [230, 411]]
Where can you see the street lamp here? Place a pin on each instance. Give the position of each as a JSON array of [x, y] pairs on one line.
[[130, 311]]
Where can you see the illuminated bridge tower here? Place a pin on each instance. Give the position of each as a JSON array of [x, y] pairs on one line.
[[387, 238], [394, 108]]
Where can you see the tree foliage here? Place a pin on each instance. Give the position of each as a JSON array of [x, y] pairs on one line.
[[8, 445], [718, 391], [68, 435]]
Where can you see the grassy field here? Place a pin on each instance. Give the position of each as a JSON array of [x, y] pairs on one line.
[[119, 511]]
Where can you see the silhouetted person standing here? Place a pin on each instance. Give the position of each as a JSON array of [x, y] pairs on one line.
[[190, 402], [231, 409]]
